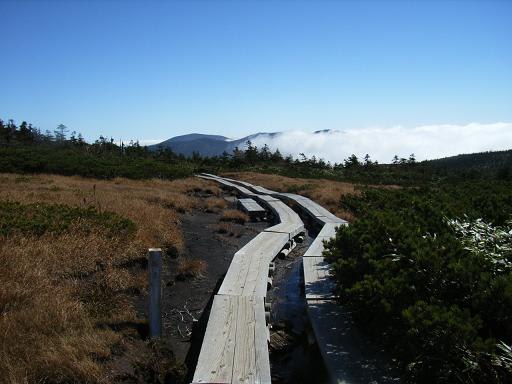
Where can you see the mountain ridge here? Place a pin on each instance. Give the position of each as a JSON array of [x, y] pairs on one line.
[[206, 145]]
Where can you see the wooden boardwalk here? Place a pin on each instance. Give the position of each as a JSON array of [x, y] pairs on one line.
[[248, 273], [290, 222], [348, 356], [252, 208], [234, 348]]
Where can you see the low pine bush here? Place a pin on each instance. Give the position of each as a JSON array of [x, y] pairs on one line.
[[429, 270], [40, 218]]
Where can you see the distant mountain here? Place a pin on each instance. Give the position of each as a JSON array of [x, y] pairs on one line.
[[207, 145], [194, 136], [213, 145]]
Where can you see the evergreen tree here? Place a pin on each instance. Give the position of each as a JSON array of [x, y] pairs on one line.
[[351, 162], [276, 156], [60, 133]]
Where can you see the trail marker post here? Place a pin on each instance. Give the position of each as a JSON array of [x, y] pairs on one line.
[[155, 292]]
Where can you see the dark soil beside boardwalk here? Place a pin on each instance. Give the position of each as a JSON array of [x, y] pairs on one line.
[[185, 301]]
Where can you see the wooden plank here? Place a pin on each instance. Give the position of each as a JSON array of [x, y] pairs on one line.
[[209, 175], [234, 281], [292, 196], [290, 229], [244, 183], [248, 272], [255, 188], [226, 183], [332, 219], [262, 190], [244, 191], [314, 209], [290, 222], [244, 364], [234, 348], [349, 357], [328, 230], [251, 363], [318, 282], [251, 206], [266, 198], [261, 347], [317, 247], [285, 213], [257, 273], [215, 363]]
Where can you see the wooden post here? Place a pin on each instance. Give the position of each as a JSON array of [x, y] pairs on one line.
[[155, 292]]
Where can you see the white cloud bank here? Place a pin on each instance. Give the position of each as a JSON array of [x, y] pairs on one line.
[[426, 142]]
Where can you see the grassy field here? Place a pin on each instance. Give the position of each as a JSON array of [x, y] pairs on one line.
[[69, 250]]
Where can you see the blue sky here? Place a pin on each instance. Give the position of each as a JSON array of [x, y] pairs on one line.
[[153, 70]]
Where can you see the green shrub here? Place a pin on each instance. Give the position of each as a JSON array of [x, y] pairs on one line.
[[38, 219], [73, 161], [410, 276]]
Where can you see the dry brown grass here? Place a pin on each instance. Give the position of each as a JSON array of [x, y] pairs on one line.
[[215, 204], [62, 295], [228, 229], [325, 192], [235, 216], [190, 268]]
